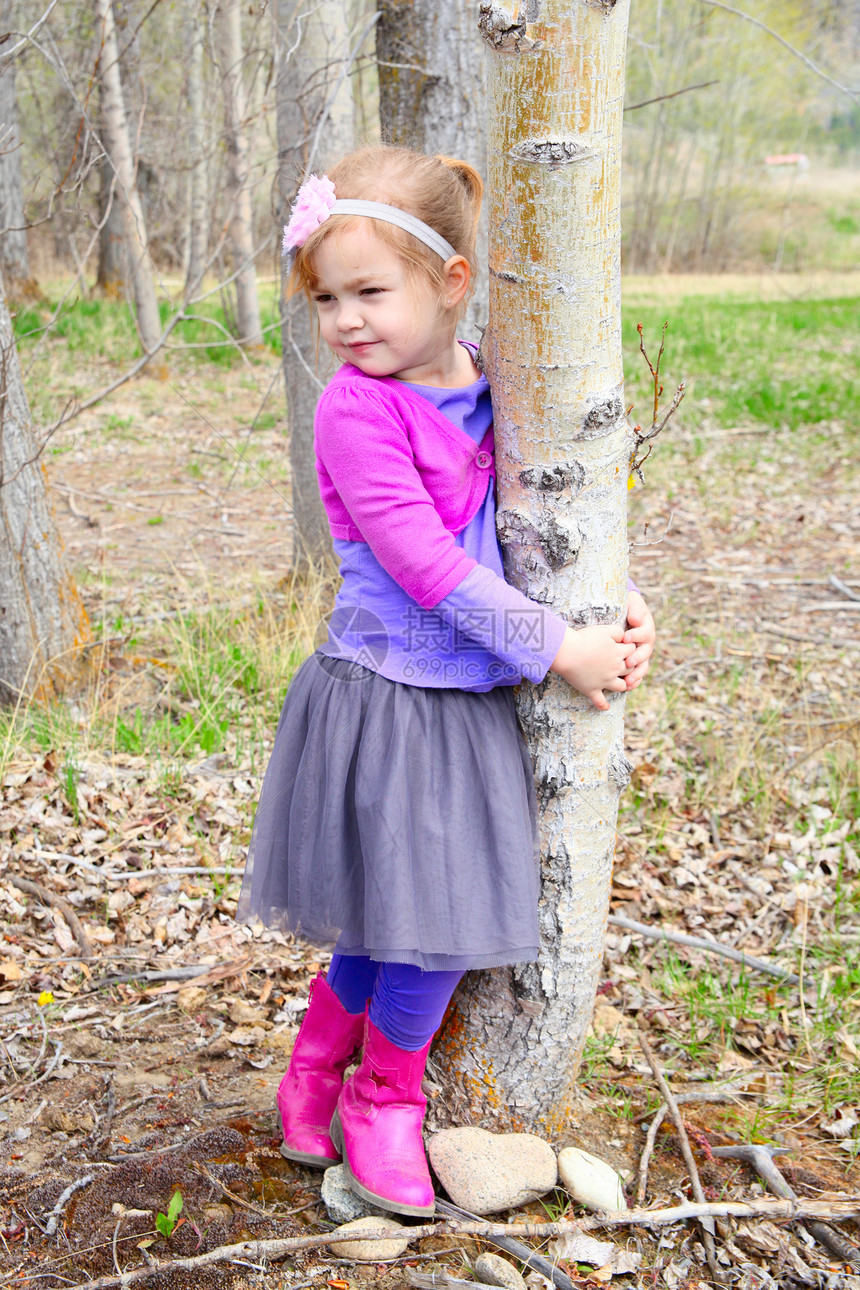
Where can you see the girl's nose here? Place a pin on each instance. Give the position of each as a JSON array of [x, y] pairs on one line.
[[349, 318]]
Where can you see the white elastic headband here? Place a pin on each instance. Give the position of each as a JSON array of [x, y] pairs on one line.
[[316, 201], [401, 219]]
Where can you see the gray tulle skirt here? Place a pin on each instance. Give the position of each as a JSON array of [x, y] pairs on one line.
[[398, 821]]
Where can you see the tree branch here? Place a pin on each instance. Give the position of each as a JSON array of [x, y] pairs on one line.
[[792, 49]]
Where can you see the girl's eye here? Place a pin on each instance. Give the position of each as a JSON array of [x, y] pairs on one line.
[[322, 299], [371, 291]]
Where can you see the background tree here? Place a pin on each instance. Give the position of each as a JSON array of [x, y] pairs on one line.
[[238, 192], [432, 97], [42, 621], [511, 1045], [14, 258], [316, 125], [197, 240], [118, 147]]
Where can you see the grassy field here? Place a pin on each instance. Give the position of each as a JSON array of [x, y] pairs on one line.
[[742, 821]]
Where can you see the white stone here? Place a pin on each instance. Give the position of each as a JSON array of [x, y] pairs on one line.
[[369, 1251], [485, 1172], [590, 1181], [493, 1270], [341, 1203]]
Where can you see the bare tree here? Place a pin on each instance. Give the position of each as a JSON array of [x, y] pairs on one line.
[[432, 95], [511, 1046], [198, 203], [118, 147], [43, 625], [315, 127], [14, 258], [238, 192]]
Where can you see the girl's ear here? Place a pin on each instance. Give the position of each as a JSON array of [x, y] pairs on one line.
[[457, 278]]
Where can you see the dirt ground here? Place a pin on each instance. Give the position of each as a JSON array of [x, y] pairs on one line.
[[144, 1032]]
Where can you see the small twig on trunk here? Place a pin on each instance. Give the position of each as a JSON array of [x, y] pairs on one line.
[[50, 898], [695, 1180], [710, 947]]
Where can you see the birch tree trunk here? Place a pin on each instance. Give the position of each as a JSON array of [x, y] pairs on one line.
[[315, 128], [118, 147], [198, 199], [510, 1049], [432, 97], [238, 170], [42, 621], [14, 259]]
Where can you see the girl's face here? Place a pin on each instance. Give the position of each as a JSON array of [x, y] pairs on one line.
[[373, 314]]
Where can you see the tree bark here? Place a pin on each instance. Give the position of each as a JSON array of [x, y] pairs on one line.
[[315, 128], [198, 203], [14, 259], [118, 148], [432, 96], [238, 169], [43, 624], [512, 1043]]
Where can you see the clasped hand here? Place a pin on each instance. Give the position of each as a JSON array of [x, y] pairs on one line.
[[598, 658]]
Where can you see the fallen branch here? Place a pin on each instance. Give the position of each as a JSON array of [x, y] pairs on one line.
[[686, 1150], [50, 898], [62, 1202], [274, 1249], [442, 1281], [527, 1257], [710, 947], [647, 1150]]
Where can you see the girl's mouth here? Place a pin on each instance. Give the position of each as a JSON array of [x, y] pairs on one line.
[[359, 346]]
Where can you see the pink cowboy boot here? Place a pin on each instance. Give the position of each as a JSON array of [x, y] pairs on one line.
[[377, 1127], [328, 1040]]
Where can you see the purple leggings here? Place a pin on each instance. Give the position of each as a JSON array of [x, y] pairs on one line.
[[406, 1003]]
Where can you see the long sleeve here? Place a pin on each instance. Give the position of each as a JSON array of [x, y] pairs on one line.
[[486, 610], [367, 455]]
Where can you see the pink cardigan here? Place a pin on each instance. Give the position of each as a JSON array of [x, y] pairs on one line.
[[397, 474]]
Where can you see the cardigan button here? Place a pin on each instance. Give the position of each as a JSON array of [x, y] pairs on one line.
[[484, 459]]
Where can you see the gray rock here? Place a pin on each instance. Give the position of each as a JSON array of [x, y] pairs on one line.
[[341, 1203], [370, 1251], [590, 1181], [485, 1172], [496, 1271]]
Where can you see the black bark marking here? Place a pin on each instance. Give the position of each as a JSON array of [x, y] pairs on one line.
[[555, 544], [551, 152], [603, 615], [603, 417], [620, 768], [553, 479], [503, 31], [605, 6]]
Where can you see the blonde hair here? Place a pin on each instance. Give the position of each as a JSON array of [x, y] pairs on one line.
[[443, 192]]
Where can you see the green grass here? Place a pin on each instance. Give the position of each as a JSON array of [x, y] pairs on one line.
[[91, 327], [778, 363]]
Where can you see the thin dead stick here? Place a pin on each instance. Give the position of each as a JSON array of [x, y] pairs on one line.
[[49, 898], [273, 1250], [647, 1150], [432, 1280], [695, 1180], [710, 947]]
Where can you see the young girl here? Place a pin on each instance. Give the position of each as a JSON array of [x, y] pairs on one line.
[[398, 813]]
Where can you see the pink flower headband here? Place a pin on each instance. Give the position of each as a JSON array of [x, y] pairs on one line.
[[316, 201]]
